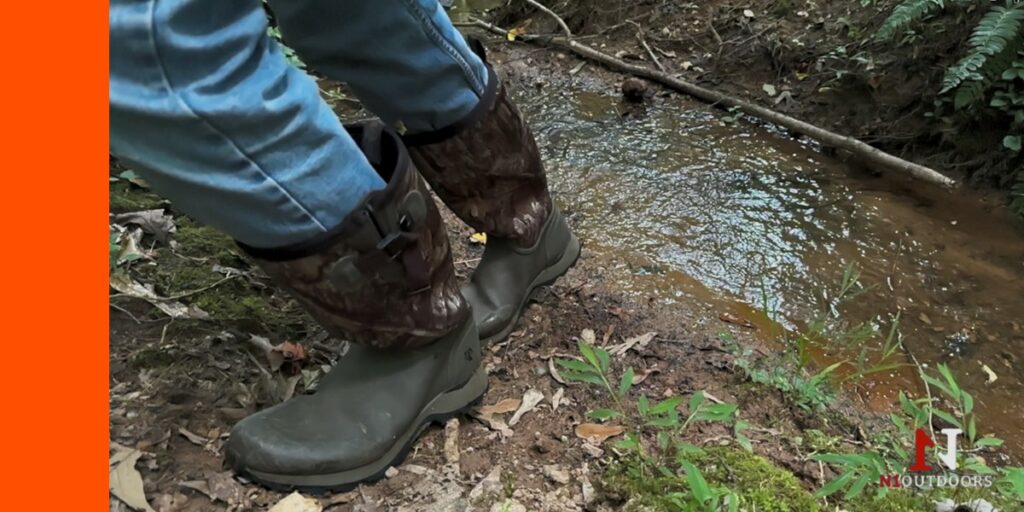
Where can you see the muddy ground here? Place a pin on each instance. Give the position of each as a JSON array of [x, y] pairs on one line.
[[178, 386]]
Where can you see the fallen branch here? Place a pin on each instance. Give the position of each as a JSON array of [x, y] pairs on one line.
[[866, 153]]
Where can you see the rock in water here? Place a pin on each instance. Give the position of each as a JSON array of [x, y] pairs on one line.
[[634, 90]]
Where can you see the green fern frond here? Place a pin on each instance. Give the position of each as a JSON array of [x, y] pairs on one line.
[[996, 38], [906, 13], [910, 11]]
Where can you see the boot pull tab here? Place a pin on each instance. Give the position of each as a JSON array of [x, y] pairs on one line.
[[370, 143], [478, 47]]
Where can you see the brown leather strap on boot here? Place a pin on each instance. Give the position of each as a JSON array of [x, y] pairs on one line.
[[384, 276], [487, 169]]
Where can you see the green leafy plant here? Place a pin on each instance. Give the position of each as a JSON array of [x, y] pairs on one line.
[[893, 451], [668, 455], [990, 75]]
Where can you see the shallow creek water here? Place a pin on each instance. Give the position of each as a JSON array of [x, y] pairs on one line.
[[734, 215]]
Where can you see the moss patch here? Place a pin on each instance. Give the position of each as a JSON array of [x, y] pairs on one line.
[[126, 198], [238, 302], [761, 485], [205, 242]]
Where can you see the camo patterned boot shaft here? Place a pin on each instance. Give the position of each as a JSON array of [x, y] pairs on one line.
[[487, 169], [384, 276]]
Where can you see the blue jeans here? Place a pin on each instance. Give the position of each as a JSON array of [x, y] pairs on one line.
[[204, 106]]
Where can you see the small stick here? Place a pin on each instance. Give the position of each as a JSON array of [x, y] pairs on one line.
[[549, 12], [654, 58]]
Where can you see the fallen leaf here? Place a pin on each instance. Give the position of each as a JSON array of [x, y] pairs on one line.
[[769, 89], [296, 502], [924, 318], [642, 374], [225, 488], [451, 442], [748, 13], [174, 309], [503, 406], [132, 177], [195, 439], [293, 357], [414, 469], [597, 433], [594, 451], [478, 238], [637, 343], [588, 337], [556, 399], [988, 371], [126, 481], [733, 319], [553, 370], [155, 222], [488, 485], [531, 398], [556, 473], [493, 423]]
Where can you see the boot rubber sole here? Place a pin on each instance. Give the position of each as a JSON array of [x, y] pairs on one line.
[[545, 277], [439, 410]]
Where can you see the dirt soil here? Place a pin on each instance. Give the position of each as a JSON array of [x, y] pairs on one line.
[[178, 386]]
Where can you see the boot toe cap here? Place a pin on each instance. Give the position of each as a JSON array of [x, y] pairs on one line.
[[283, 440]]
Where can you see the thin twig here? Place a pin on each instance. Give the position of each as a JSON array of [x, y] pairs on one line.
[[549, 12], [643, 42], [125, 311]]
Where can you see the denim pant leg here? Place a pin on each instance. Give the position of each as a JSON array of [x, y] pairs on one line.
[[402, 58], [204, 106]]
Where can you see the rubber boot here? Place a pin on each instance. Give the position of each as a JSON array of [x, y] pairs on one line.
[[384, 280], [487, 169]]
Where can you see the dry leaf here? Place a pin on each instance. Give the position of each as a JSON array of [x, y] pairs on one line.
[[637, 343], [451, 442], [478, 238], [988, 371], [531, 398], [132, 288], [296, 502], [553, 370], [597, 433], [503, 406], [488, 485], [733, 319], [642, 374], [126, 481], [154, 222], [293, 357], [556, 473], [495, 424], [588, 337], [556, 399], [193, 438], [594, 451]]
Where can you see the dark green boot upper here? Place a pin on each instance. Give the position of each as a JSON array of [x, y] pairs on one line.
[[382, 279], [507, 273], [363, 417]]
